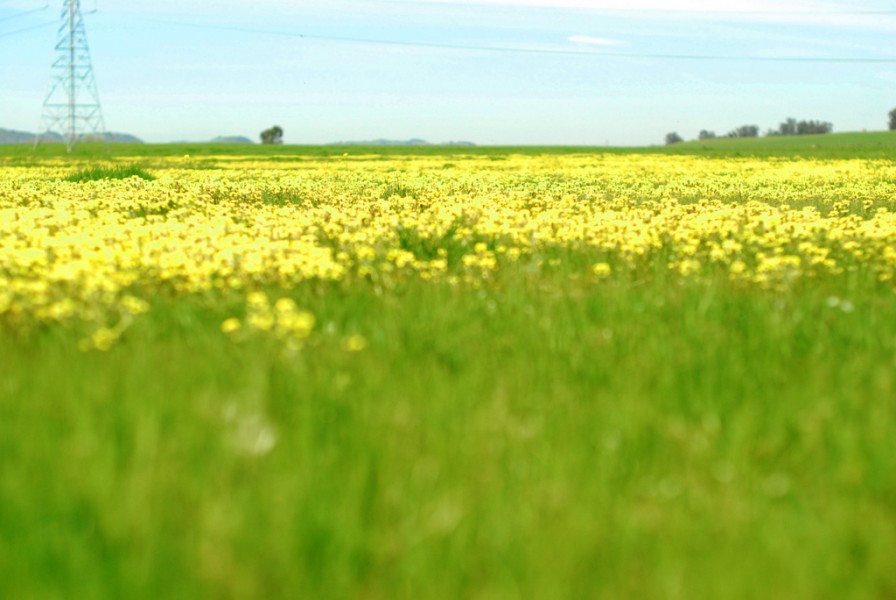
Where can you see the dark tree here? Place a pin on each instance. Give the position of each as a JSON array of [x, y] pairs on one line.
[[788, 127], [745, 131], [673, 138], [893, 120], [274, 135], [793, 127], [706, 135], [813, 127]]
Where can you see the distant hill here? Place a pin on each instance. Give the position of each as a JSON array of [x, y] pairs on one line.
[[410, 142], [10, 136], [232, 139], [122, 138]]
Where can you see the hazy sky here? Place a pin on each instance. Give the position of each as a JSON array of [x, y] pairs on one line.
[[623, 72]]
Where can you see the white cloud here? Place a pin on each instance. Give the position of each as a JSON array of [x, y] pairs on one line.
[[829, 13], [888, 76], [590, 40]]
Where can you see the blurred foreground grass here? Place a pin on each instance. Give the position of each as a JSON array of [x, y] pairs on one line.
[[538, 438]]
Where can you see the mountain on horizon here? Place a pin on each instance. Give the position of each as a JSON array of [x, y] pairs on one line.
[[11, 136], [232, 139]]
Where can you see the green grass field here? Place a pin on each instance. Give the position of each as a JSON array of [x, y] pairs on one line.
[[878, 144], [536, 437]]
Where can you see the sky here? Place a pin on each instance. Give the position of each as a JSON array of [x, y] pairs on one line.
[[565, 72]]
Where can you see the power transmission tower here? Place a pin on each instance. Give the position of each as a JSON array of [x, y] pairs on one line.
[[72, 104]]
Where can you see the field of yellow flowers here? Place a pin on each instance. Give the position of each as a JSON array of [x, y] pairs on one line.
[[448, 375], [100, 251]]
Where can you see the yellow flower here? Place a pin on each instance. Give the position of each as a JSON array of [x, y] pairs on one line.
[[133, 305], [231, 325], [354, 343], [103, 338], [601, 269], [296, 324], [285, 306]]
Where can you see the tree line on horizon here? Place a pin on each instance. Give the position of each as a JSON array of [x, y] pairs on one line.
[[790, 126]]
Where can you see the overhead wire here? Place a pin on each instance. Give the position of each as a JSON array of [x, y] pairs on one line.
[[24, 13], [524, 50], [5, 34], [25, 29], [509, 49]]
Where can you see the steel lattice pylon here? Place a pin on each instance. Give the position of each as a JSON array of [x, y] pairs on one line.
[[72, 104]]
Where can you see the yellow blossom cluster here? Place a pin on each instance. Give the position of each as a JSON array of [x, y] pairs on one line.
[[99, 251], [284, 320]]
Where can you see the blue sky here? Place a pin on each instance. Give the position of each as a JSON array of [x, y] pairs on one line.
[[490, 71]]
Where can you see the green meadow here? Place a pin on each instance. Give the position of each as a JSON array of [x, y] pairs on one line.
[[536, 436], [876, 144]]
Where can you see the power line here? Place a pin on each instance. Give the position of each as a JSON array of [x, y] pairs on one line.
[[24, 29], [523, 50], [39, 25], [25, 13]]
